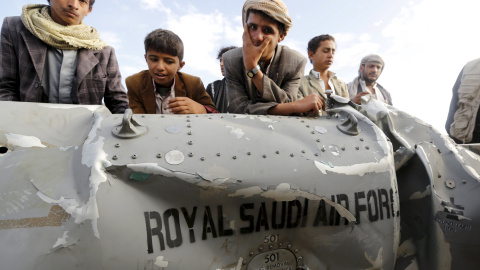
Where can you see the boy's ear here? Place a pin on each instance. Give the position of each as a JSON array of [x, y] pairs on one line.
[[181, 65], [310, 55], [145, 57]]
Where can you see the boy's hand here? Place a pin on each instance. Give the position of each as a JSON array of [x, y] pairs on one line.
[[252, 52], [184, 105], [311, 104]]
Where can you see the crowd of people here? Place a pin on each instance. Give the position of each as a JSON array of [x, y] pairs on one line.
[[49, 55]]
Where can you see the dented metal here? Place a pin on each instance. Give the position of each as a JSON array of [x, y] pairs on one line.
[[94, 190]]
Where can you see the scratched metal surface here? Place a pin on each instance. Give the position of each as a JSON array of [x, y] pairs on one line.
[[233, 192]]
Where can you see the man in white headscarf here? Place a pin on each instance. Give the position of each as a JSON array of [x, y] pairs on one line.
[[263, 77], [369, 71], [49, 55]]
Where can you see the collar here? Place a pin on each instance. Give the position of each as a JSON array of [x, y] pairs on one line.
[[172, 88], [267, 64], [316, 74]]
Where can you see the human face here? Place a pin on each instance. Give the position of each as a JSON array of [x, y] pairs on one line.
[[163, 67], [221, 66], [69, 12], [371, 71], [323, 57], [259, 28]]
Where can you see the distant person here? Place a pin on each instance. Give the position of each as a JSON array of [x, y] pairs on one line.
[[163, 89], [463, 121], [218, 89], [262, 76], [321, 52], [49, 55], [369, 71]]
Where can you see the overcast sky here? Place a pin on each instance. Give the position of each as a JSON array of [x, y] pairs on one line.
[[424, 43]]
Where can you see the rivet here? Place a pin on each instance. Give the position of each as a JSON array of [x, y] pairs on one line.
[[189, 133], [134, 156], [163, 116], [188, 116], [464, 181], [303, 121], [264, 156], [361, 139], [218, 154], [115, 157], [249, 153], [367, 147], [439, 176], [439, 151], [300, 259], [189, 126], [343, 148], [244, 262], [221, 117], [277, 152], [270, 247], [190, 143], [296, 250], [188, 120], [143, 116], [190, 154], [291, 155], [202, 158], [308, 126], [210, 118], [313, 132], [289, 246], [234, 157], [316, 154], [196, 115], [117, 145], [251, 254], [323, 149], [260, 249], [280, 245], [159, 156], [358, 148], [318, 140]]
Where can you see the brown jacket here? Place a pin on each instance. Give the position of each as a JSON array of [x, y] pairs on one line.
[[141, 94], [22, 60]]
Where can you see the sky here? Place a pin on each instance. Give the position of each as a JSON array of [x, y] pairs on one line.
[[424, 43]]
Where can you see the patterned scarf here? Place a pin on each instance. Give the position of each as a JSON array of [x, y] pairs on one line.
[[37, 20]]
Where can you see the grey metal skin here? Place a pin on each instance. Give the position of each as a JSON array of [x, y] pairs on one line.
[[367, 187]]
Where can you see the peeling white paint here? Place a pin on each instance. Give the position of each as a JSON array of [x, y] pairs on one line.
[[160, 262], [377, 264], [356, 169], [271, 127], [91, 108], [61, 241], [95, 158], [266, 119], [284, 192], [247, 192], [420, 195], [24, 141], [237, 132]]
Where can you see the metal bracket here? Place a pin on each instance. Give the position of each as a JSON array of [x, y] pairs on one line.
[[129, 128], [349, 127]]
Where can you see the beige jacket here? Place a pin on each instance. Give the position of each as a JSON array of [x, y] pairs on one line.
[[468, 102], [310, 84]]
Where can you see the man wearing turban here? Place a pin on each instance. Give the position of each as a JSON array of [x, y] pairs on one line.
[[369, 71], [262, 76]]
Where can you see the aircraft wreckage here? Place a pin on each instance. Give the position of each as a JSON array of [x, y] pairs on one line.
[[364, 187]]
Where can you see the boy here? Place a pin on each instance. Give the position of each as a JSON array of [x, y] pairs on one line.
[[321, 52], [162, 89]]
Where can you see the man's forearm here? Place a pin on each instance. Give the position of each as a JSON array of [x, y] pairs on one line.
[[283, 109]]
